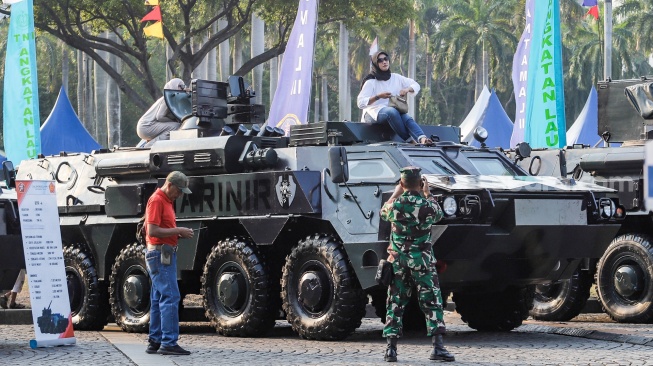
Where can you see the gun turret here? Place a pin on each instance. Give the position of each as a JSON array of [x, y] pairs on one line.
[[213, 108]]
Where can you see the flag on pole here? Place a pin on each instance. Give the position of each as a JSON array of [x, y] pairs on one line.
[[22, 138], [545, 109], [154, 30], [594, 10], [374, 48], [152, 2], [155, 15], [520, 76], [292, 97]]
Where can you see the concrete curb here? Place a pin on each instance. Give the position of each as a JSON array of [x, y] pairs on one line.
[[16, 316], [589, 334]]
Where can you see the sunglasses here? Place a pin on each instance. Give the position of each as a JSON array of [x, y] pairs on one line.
[[382, 59]]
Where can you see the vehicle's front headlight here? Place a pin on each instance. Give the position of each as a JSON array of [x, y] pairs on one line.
[[449, 206], [608, 208]]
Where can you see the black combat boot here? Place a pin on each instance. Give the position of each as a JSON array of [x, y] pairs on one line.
[[391, 351], [439, 353]]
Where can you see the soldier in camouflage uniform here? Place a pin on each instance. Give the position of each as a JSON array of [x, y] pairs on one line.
[[412, 210]]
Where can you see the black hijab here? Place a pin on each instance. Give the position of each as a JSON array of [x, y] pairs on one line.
[[375, 71]]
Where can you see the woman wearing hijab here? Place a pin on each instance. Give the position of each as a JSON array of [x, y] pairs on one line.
[[158, 121], [377, 88]]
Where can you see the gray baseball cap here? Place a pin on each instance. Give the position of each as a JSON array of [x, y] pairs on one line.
[[180, 180]]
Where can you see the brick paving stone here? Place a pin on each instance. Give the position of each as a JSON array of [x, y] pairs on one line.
[[536, 343]]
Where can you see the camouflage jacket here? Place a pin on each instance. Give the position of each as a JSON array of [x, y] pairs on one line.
[[411, 217]]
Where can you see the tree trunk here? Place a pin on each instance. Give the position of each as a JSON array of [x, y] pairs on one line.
[[411, 65], [201, 69], [478, 86], [88, 95], [114, 116], [343, 75], [80, 86], [238, 52], [211, 59], [65, 66], [427, 79], [274, 77], [486, 67], [224, 54], [325, 99], [100, 100], [258, 47]]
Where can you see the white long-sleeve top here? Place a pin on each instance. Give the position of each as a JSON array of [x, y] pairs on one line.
[[374, 87]]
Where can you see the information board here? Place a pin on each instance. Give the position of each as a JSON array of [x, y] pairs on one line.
[[39, 221]]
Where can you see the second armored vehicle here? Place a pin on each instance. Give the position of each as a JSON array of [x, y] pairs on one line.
[[291, 224], [624, 272]]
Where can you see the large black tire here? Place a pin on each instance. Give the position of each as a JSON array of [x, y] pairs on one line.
[[129, 290], [321, 294], [89, 303], [498, 311], [563, 300], [236, 290], [623, 279]]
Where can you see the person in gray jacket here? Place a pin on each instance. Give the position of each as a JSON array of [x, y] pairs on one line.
[[158, 121]]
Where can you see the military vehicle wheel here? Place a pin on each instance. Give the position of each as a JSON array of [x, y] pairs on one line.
[[321, 295], [623, 279], [498, 311], [129, 290], [236, 290], [89, 303], [564, 300]]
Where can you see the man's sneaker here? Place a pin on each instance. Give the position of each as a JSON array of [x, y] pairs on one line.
[[174, 350], [152, 347]]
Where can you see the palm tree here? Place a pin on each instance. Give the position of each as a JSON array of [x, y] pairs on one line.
[[638, 16], [475, 37]]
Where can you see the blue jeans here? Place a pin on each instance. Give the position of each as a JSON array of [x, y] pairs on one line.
[[164, 299], [402, 124]]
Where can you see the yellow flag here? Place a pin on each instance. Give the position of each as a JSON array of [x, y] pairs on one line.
[[154, 30], [152, 2]]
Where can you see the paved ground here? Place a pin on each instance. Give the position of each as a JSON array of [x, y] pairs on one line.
[[588, 340]]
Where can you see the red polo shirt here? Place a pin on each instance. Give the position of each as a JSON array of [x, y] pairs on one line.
[[161, 212]]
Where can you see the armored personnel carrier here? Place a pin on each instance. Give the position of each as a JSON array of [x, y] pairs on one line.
[[290, 225], [624, 273], [12, 259]]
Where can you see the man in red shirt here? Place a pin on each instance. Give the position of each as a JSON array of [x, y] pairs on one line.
[[162, 234]]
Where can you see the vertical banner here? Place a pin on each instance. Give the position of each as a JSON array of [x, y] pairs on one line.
[[545, 109], [293, 94], [520, 76], [22, 138], [39, 222]]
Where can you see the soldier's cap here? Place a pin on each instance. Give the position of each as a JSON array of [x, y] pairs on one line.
[[180, 180], [410, 172]]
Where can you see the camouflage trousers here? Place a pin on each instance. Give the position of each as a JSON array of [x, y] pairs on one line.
[[428, 296]]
